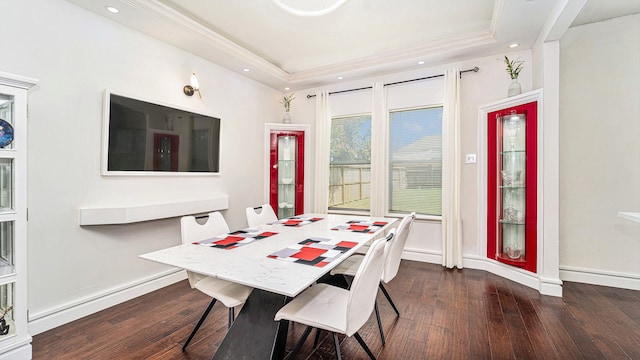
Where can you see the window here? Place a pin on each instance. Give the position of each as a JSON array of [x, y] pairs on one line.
[[350, 163], [415, 161]]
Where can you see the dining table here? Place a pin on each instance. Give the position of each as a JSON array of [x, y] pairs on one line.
[[278, 260]]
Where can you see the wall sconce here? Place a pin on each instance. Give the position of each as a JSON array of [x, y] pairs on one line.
[[193, 86]]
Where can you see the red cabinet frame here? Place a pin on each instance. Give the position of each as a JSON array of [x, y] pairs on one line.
[[276, 160], [496, 187]]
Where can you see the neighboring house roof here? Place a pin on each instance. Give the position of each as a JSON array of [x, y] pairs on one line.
[[426, 149]]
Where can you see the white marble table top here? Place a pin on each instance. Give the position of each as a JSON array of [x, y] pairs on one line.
[[249, 264]]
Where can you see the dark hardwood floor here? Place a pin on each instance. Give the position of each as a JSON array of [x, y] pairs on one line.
[[445, 314]]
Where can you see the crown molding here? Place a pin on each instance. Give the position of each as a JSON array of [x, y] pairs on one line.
[[398, 60], [18, 81], [208, 37], [160, 20], [496, 17]]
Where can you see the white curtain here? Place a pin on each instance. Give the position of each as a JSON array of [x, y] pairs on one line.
[[451, 159], [323, 138], [378, 149]]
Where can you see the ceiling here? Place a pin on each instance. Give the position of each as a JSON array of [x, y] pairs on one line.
[[361, 38]]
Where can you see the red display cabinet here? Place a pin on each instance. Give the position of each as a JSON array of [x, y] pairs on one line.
[[512, 185], [286, 171]]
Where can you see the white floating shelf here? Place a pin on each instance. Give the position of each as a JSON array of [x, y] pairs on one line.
[[631, 216], [126, 214]]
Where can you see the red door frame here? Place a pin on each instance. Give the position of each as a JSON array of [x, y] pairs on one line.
[[174, 146]]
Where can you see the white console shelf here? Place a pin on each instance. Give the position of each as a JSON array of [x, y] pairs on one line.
[[126, 214], [631, 216]]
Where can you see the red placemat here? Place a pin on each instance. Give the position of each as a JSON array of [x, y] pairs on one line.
[[314, 251], [362, 226], [235, 239], [296, 221]]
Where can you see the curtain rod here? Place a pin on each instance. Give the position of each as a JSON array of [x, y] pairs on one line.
[[475, 69]]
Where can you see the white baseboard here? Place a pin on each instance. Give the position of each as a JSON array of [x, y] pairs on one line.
[[599, 277], [432, 257], [546, 286], [22, 353], [17, 351], [51, 318]]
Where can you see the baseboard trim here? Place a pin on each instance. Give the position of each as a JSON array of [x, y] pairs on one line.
[[420, 255], [599, 277], [52, 318], [17, 351], [546, 286]]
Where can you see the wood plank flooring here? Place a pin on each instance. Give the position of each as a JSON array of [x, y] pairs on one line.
[[445, 314]]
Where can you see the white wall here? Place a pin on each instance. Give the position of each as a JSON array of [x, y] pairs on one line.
[[488, 85], [600, 152], [76, 55]]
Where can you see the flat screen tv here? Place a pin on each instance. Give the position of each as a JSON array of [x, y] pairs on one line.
[[144, 138]]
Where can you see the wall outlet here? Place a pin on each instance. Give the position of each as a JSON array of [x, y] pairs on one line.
[[470, 158]]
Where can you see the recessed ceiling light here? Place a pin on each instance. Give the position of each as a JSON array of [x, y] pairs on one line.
[[340, 78], [421, 62], [246, 70], [514, 45], [309, 8], [287, 88], [112, 10]]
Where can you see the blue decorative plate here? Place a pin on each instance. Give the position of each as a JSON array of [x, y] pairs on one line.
[[6, 133]]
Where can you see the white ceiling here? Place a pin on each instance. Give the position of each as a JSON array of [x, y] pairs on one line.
[[361, 38]]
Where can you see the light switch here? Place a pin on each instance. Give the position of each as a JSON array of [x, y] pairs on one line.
[[470, 158]]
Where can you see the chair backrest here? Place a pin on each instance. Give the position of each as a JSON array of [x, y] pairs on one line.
[[265, 215], [392, 261], [362, 294], [191, 231]]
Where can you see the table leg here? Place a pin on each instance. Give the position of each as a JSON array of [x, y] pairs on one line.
[[254, 334]]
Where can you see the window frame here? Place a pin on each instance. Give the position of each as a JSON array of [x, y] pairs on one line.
[[348, 211], [386, 164], [387, 184]]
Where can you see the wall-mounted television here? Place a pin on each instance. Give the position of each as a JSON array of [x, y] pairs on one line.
[[145, 138]]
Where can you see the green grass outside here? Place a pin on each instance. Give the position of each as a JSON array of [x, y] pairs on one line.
[[419, 200]]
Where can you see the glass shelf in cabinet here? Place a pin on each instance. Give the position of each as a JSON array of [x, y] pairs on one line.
[[7, 211], [519, 262], [8, 153], [512, 152], [7, 270], [510, 222]]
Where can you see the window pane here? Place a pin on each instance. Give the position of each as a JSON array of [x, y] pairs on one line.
[[416, 161], [350, 163]]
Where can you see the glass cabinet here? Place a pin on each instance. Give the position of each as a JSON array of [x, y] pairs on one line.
[[511, 220], [286, 169], [15, 342]]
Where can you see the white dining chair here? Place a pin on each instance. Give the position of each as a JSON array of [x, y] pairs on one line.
[[228, 293], [339, 310], [350, 266], [260, 215]]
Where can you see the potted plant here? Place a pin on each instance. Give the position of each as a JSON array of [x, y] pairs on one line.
[[286, 101], [513, 68]]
